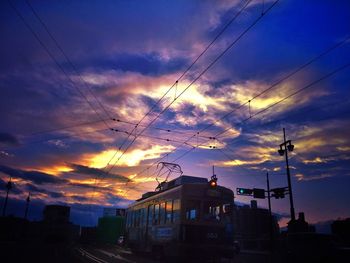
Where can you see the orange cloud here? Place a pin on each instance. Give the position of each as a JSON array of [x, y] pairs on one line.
[[132, 158]]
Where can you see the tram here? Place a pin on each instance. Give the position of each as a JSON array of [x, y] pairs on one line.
[[188, 216]]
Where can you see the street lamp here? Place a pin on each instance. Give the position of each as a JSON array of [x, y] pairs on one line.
[[286, 147]]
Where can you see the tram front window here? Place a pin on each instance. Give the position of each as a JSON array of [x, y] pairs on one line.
[[212, 211]]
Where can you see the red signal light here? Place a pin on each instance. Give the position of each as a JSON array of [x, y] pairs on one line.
[[213, 181]]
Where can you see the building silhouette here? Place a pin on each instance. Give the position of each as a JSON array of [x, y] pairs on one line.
[[252, 226]]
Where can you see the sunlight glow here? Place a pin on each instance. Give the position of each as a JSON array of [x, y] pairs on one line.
[[132, 158]]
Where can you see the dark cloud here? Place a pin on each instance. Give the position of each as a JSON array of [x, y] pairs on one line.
[[34, 176], [114, 199], [94, 187], [79, 198], [147, 64], [81, 169], [8, 139], [34, 189]]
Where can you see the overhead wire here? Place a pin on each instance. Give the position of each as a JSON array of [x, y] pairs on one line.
[[176, 82], [200, 75], [36, 36], [66, 57], [293, 115], [65, 127], [203, 72], [169, 131], [263, 110], [187, 70], [300, 68]]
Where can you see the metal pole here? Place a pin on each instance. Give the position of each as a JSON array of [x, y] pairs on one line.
[[270, 212], [292, 213], [27, 206], [8, 186]]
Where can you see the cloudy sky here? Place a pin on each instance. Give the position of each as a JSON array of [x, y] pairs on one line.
[[93, 94]]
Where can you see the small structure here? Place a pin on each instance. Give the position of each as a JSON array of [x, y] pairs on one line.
[[341, 229], [56, 214], [56, 225], [252, 226], [111, 226]]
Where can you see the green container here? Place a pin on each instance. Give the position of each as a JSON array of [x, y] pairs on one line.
[[110, 228]]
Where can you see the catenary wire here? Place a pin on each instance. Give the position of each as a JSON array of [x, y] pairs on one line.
[[264, 91], [66, 57], [199, 76], [263, 110], [55, 61]]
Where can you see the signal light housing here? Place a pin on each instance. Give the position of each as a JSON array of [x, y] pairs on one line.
[[244, 191], [213, 183], [278, 192]]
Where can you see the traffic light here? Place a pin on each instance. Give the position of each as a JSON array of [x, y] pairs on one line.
[[278, 192], [259, 193], [213, 183], [244, 191]]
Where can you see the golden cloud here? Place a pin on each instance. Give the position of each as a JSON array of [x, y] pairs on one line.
[[301, 177], [56, 169], [343, 148], [315, 160], [252, 155], [238, 162], [132, 158]]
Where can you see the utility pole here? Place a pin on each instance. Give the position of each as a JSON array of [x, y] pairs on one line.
[[8, 187], [288, 146], [27, 206], [270, 213]]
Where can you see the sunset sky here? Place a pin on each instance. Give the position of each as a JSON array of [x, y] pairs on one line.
[[77, 77]]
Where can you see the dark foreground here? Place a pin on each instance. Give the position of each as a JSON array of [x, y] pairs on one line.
[[60, 253]]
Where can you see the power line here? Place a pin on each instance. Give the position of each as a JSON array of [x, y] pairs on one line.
[[156, 137], [54, 59], [263, 110], [200, 75], [270, 87], [66, 57], [66, 127], [67, 136], [175, 85], [304, 113], [169, 131]]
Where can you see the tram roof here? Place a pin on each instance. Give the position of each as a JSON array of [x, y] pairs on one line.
[[184, 179]]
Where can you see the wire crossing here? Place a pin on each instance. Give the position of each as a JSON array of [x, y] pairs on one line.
[[198, 77]]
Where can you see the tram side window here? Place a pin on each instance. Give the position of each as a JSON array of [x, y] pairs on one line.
[[169, 211], [162, 213], [141, 217], [150, 214], [156, 214], [131, 218], [136, 217], [176, 210], [144, 217], [128, 218], [192, 210]]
